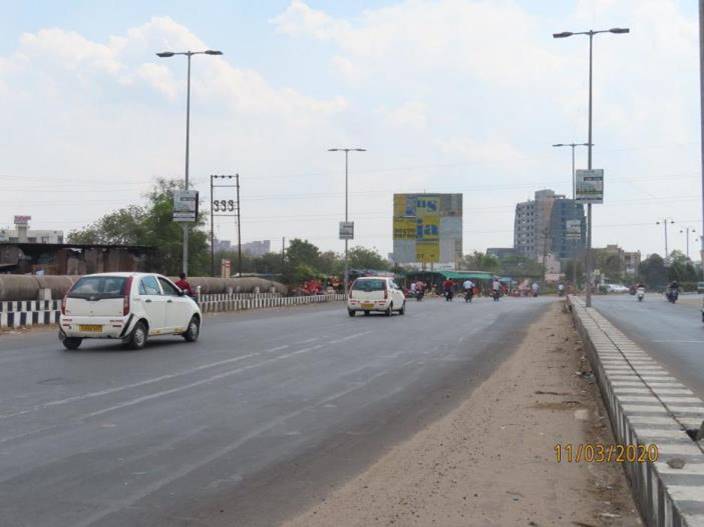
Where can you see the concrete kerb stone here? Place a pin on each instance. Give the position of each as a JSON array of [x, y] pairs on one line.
[[647, 406]]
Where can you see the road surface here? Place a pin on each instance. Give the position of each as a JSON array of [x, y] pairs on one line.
[[672, 334], [240, 428]]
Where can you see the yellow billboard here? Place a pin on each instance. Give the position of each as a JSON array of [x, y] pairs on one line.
[[428, 252], [404, 228], [428, 228]]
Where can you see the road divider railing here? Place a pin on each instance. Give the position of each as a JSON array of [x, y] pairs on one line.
[[22, 313], [652, 412]]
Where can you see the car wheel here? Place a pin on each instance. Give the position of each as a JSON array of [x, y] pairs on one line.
[[351, 312], [71, 343], [138, 337], [389, 310], [402, 311], [191, 334], [366, 313]]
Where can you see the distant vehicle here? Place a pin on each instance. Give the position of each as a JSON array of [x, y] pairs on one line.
[[700, 287], [375, 293], [641, 294], [616, 288], [130, 307]]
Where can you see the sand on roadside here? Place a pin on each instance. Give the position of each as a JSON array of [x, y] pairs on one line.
[[491, 460]]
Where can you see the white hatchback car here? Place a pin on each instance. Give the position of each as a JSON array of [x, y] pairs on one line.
[[375, 293], [130, 307]]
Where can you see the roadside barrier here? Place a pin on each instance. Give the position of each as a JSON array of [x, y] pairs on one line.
[[647, 406], [36, 312]]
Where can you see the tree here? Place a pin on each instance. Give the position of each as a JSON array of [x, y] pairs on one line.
[[152, 225], [652, 271], [570, 268], [521, 266], [609, 264], [480, 262], [363, 258]]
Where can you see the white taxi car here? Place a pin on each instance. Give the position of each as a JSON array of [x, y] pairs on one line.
[[130, 307], [375, 293]]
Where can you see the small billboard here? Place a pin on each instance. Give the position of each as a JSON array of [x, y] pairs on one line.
[[590, 186], [185, 206], [347, 230]]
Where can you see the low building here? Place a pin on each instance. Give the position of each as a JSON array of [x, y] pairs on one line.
[[501, 252], [73, 259], [33, 236], [613, 259]]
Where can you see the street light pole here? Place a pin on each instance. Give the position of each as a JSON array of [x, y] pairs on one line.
[[701, 111], [347, 153], [188, 55], [588, 259], [664, 223], [687, 230], [574, 197]]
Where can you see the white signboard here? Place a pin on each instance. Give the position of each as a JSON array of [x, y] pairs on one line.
[[590, 186], [573, 229], [185, 206], [22, 220], [347, 230]]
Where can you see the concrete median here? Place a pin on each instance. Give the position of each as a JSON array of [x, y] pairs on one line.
[[647, 406]]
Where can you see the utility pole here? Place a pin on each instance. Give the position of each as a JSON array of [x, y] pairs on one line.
[[701, 112], [283, 252], [664, 223], [590, 144], [239, 228], [687, 230]]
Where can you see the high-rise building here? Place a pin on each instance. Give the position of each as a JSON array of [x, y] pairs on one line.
[[540, 227], [258, 248]]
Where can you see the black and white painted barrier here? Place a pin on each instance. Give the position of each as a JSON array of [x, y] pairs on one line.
[[34, 312], [209, 305], [648, 406]]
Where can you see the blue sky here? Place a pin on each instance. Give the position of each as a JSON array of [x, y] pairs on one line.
[[447, 95]]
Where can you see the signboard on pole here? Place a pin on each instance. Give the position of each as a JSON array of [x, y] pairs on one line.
[[225, 268], [185, 206], [590, 186], [22, 220], [347, 230], [573, 229]]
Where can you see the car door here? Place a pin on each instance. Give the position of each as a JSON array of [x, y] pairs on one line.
[[397, 295], [178, 307], [152, 303]]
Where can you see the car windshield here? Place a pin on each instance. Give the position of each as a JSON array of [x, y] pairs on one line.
[[98, 287], [369, 285]]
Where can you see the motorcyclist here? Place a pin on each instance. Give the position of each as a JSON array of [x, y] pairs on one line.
[[534, 289], [673, 291], [561, 289], [184, 285], [496, 289], [468, 286], [447, 286]]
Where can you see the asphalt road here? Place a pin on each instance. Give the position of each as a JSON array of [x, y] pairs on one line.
[[673, 334], [259, 417]]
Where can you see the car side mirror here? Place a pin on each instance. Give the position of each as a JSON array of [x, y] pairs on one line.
[[181, 292]]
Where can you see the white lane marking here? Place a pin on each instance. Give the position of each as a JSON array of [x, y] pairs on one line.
[[145, 382], [187, 469], [350, 337], [279, 348], [672, 341], [307, 341], [137, 400]]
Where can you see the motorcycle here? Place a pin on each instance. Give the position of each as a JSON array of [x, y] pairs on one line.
[[640, 294], [449, 295], [672, 295], [496, 294], [468, 296], [420, 293]]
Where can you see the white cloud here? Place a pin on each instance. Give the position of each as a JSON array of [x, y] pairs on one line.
[[411, 115]]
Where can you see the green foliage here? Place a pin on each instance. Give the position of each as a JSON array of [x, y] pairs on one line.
[[478, 261], [570, 268], [652, 271], [363, 258], [151, 225], [681, 268], [521, 266]]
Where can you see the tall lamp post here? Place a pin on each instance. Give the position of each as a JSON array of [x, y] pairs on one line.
[[664, 223], [188, 54], [686, 231], [590, 34], [574, 197], [347, 155]]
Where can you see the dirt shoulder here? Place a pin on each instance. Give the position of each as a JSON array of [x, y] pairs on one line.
[[491, 461]]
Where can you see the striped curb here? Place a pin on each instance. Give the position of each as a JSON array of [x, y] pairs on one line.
[[648, 406], [37, 312]]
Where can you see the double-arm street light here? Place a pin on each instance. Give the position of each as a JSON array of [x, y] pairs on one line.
[[664, 223], [188, 54], [574, 196], [347, 154], [686, 231], [590, 34]]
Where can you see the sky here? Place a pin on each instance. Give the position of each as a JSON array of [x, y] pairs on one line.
[[446, 96]]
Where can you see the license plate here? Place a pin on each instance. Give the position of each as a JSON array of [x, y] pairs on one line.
[[90, 328], [367, 306]]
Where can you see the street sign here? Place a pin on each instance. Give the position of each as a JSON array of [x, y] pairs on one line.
[[590, 186], [347, 230], [185, 206], [573, 229]]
